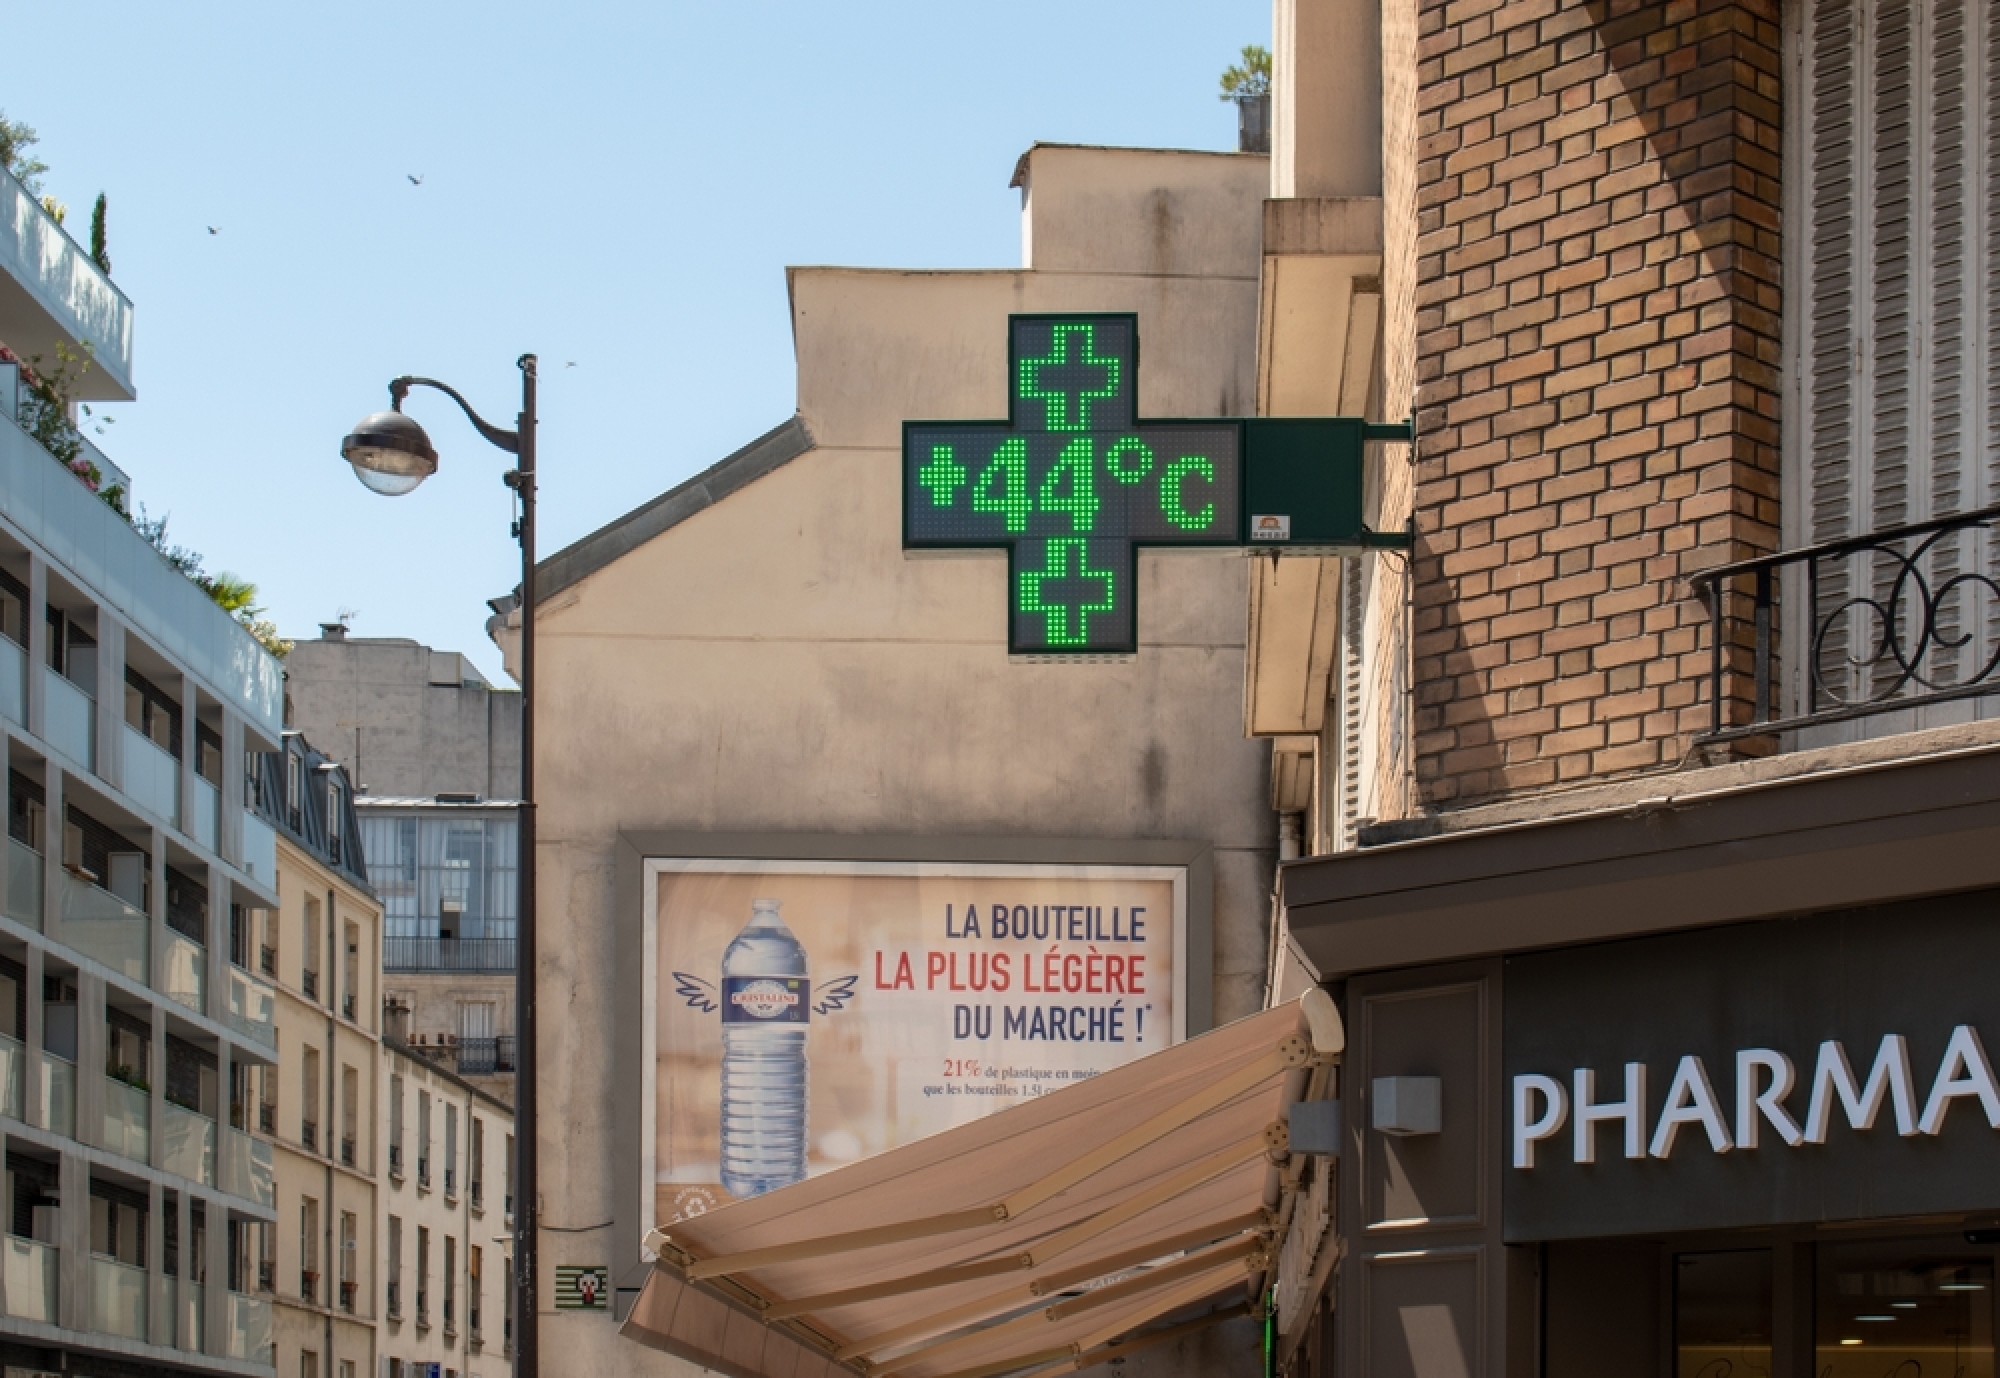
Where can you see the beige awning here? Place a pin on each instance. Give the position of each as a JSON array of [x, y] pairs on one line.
[[1049, 1236]]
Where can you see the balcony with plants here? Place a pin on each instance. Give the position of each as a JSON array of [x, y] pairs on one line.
[[55, 294], [55, 487]]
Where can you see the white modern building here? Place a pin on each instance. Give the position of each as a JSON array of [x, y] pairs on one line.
[[132, 1021]]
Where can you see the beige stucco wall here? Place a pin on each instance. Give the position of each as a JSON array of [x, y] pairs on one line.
[[776, 663], [483, 1223], [297, 1172]]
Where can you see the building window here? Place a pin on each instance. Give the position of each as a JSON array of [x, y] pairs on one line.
[[423, 1138], [308, 1364], [395, 1298], [309, 1099], [350, 1252], [448, 890], [423, 1275], [396, 1126], [308, 1249], [1904, 1308]]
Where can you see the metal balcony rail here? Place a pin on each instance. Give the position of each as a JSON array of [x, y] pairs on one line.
[[477, 1194], [451, 1181], [347, 1150], [267, 1275], [308, 1284], [481, 1057], [396, 1159], [347, 1293], [1889, 621], [423, 1171], [395, 1301], [309, 1135], [447, 954], [267, 1117], [347, 1005], [309, 983], [268, 959]]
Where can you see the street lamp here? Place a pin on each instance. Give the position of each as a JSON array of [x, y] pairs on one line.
[[392, 455]]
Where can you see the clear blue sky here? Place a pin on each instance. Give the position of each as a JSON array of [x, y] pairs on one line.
[[620, 185]]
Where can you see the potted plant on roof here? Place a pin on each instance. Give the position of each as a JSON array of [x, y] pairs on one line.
[[1249, 85]]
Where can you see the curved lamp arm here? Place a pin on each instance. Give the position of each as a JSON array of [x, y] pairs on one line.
[[509, 441]]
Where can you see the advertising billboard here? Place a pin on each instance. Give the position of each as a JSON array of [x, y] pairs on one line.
[[805, 1014]]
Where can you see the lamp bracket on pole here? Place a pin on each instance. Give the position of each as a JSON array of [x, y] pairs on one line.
[[510, 441]]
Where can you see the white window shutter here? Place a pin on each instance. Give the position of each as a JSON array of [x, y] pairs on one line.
[[1893, 186]]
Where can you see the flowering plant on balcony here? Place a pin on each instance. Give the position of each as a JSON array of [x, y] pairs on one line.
[[45, 415]]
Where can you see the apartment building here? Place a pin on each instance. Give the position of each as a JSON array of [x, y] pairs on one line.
[[435, 751], [133, 1020], [448, 1217], [1651, 809], [321, 945]]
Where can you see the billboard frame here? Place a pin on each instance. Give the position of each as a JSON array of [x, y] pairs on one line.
[[632, 1062]]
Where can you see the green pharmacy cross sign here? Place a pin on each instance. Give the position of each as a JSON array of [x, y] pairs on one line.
[[1073, 483]]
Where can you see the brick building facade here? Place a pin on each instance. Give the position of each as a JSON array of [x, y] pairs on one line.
[[1674, 744], [1598, 396]]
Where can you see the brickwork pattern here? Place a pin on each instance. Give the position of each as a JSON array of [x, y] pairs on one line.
[[1597, 356]]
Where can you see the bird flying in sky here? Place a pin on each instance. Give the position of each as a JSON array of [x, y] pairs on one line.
[[417, 178]]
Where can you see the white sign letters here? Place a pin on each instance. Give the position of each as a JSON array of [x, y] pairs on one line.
[[1765, 1081]]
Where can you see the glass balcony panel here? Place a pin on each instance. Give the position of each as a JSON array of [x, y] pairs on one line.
[[71, 292], [13, 1077], [152, 776], [117, 1298], [28, 1271], [252, 1008], [249, 1170], [13, 681], [98, 923], [24, 884], [193, 1325], [260, 849], [207, 813], [190, 1144], [70, 717], [249, 1328], [58, 1101], [100, 551], [128, 1120], [186, 973]]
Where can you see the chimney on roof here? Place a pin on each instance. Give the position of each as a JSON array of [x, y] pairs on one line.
[[333, 631]]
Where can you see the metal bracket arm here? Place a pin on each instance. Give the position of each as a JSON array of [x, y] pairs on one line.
[[510, 441]]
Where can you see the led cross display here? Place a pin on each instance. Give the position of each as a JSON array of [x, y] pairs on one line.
[[1072, 484]]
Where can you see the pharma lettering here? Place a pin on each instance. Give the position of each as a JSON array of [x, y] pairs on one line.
[[1764, 1102]]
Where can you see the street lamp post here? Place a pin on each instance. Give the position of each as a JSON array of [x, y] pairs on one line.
[[392, 455]]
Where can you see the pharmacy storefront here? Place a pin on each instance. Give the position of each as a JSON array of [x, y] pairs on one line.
[[1764, 1144], [1784, 1126]]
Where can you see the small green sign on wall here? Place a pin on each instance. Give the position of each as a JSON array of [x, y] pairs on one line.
[[1074, 483]]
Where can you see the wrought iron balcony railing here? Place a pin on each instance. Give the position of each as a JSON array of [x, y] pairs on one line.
[[447, 954], [480, 1057], [1890, 621]]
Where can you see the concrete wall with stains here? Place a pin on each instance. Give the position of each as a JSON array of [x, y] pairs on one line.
[[774, 662]]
